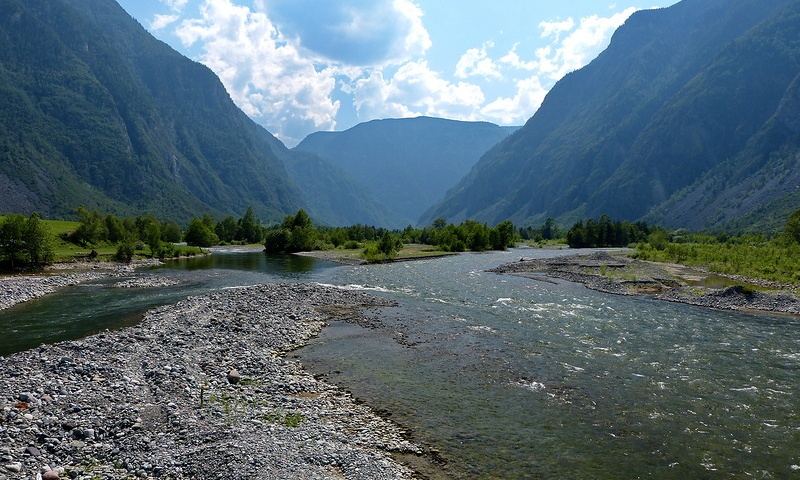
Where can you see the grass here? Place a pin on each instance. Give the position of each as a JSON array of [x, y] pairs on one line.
[[771, 261]]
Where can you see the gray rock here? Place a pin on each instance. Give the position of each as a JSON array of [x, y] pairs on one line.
[[234, 377]]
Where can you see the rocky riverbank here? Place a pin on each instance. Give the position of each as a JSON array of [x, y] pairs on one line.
[[200, 389], [615, 272], [15, 289]]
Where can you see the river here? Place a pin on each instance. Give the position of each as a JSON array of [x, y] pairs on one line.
[[510, 377]]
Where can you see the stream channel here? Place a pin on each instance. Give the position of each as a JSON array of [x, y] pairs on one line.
[[508, 377]]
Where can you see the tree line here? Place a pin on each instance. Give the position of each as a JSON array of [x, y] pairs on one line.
[[297, 233], [606, 233]]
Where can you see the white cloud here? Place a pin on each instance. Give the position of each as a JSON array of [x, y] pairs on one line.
[[354, 32], [416, 90], [284, 62], [175, 5], [163, 21], [555, 28], [476, 62], [517, 109], [582, 44], [513, 60], [574, 45], [263, 71]]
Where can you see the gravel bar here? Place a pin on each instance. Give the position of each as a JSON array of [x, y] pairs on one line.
[[200, 389], [618, 274]]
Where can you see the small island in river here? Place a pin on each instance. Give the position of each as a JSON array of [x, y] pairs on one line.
[[615, 272]]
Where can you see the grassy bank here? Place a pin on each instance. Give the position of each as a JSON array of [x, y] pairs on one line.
[[770, 261], [356, 256]]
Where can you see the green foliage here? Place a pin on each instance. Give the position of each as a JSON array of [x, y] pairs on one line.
[[249, 228], [92, 229], [606, 233], [126, 248], [226, 229], [746, 255], [25, 242], [200, 234], [277, 240], [792, 229], [470, 235], [547, 231], [295, 234]]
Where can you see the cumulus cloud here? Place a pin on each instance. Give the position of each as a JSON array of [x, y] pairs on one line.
[[263, 71], [415, 90], [580, 45], [286, 62], [517, 109], [556, 28], [476, 62], [355, 32], [175, 5], [162, 21], [574, 44]]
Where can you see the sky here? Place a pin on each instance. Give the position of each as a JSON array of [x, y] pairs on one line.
[[301, 66]]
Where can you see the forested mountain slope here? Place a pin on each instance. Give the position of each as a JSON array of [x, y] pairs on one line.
[[408, 163], [95, 111], [698, 92]]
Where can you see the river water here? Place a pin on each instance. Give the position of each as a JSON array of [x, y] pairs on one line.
[[510, 377]]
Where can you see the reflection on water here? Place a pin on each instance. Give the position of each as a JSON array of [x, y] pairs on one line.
[[514, 378], [76, 312]]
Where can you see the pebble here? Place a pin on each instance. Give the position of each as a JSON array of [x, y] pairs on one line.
[[194, 419], [576, 268], [234, 377]]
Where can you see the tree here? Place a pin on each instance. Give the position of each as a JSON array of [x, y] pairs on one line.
[[301, 219], [38, 241], [171, 232], [115, 228], [153, 238], [12, 238], [504, 237], [250, 229], [25, 241], [792, 229], [199, 234], [91, 229], [277, 241], [549, 229], [389, 245], [127, 247], [226, 229]]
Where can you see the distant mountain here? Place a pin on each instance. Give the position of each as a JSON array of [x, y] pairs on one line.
[[689, 118], [335, 198], [95, 111], [410, 163]]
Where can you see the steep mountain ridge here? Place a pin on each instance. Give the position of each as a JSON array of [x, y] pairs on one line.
[[408, 163], [98, 112], [659, 108]]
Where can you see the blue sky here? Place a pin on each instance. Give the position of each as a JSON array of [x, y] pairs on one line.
[[300, 66]]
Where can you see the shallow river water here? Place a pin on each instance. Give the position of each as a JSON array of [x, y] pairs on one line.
[[510, 377]]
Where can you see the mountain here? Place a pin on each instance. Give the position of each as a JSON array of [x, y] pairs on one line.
[[688, 118], [409, 163], [335, 198], [95, 111]]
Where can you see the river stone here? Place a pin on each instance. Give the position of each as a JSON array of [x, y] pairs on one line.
[[33, 451], [234, 377], [15, 467], [50, 475]]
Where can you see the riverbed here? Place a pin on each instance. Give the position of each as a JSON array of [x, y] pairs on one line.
[[508, 377]]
